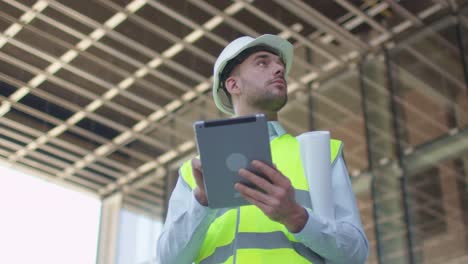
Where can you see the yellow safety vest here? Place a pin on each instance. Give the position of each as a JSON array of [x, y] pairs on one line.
[[259, 239]]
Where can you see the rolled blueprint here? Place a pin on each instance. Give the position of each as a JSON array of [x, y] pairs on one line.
[[315, 153]]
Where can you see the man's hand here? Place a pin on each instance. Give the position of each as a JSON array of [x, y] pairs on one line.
[[199, 191], [277, 201]]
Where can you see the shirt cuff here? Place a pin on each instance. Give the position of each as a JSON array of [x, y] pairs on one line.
[[317, 235], [199, 211]]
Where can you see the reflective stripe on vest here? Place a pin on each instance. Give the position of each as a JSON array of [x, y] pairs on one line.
[[250, 242], [259, 239]]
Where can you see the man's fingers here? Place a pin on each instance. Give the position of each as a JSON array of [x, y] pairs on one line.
[[257, 203], [197, 172], [199, 191], [272, 173], [258, 181], [196, 164], [198, 178], [256, 195]]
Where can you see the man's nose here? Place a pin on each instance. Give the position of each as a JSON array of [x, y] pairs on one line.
[[279, 69]]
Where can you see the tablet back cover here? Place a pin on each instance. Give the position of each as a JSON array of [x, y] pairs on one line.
[[225, 146]]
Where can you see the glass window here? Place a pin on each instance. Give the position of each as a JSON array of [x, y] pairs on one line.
[[138, 236]]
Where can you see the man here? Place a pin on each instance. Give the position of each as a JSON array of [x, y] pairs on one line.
[[279, 226]]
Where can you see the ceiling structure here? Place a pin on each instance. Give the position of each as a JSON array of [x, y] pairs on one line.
[[101, 95]]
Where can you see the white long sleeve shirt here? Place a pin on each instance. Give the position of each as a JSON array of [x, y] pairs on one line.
[[339, 241]]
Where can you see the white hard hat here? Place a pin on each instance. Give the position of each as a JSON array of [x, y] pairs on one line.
[[281, 47]]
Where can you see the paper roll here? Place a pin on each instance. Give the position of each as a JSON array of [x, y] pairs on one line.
[[315, 154]]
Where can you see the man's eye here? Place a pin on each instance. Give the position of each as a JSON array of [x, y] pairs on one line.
[[261, 63]]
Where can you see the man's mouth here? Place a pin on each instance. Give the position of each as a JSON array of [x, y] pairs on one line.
[[279, 81]]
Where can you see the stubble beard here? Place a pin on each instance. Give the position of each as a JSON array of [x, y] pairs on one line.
[[270, 102]]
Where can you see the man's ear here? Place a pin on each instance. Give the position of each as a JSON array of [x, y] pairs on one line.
[[232, 86]]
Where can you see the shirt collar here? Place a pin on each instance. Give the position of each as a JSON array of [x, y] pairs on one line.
[[275, 129]]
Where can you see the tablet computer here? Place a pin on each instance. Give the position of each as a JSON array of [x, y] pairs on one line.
[[225, 146]]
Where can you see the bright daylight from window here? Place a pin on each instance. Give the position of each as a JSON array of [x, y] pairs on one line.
[[42, 222]]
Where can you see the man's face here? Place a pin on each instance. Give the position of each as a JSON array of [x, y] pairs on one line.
[[262, 83]]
